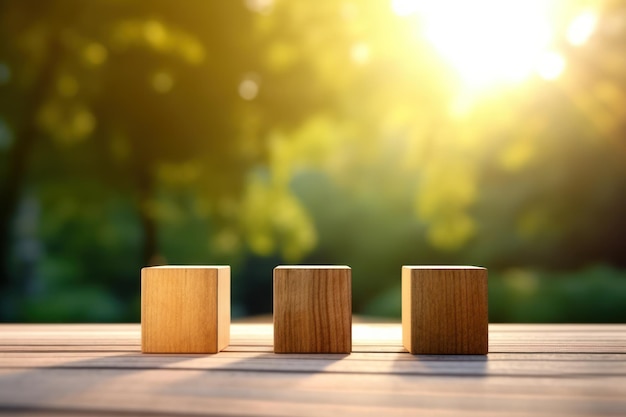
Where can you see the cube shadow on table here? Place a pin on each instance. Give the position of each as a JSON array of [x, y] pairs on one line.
[[185, 309], [312, 309], [444, 310]]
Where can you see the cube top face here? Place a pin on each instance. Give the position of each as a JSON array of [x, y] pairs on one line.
[[441, 267], [185, 267], [312, 309], [311, 267], [185, 309], [445, 310]]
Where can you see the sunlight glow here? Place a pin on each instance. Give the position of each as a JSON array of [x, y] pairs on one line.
[[260, 6], [581, 28], [404, 7], [360, 53], [487, 42], [551, 66]]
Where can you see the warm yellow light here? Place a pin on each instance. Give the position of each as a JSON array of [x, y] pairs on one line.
[[487, 42], [581, 28], [249, 86], [551, 66], [360, 53], [162, 81], [248, 89], [404, 7]]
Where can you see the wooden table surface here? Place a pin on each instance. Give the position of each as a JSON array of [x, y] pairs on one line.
[[538, 370]]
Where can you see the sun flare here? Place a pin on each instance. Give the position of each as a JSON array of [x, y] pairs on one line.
[[490, 42]]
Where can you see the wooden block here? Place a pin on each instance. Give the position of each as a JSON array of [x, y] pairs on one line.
[[444, 310], [185, 309], [312, 309]]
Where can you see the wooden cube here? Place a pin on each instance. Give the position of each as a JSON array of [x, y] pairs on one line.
[[185, 309], [312, 309], [444, 310]]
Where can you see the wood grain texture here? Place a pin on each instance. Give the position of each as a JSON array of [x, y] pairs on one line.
[[444, 310], [98, 370], [312, 309], [185, 309]]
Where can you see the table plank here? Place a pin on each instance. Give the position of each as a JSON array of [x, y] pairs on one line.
[[539, 370], [503, 338]]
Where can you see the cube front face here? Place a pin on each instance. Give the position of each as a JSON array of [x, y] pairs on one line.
[[185, 309], [312, 309], [445, 310]]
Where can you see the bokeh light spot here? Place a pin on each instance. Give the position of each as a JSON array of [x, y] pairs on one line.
[[404, 7], [360, 53], [249, 87], [581, 28], [551, 66], [260, 6], [67, 86], [95, 54], [162, 82], [84, 123], [155, 33]]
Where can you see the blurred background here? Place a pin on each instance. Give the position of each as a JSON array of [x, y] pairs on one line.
[[372, 133]]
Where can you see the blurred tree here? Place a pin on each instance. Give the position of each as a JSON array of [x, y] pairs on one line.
[[129, 95], [326, 132], [23, 96], [510, 177]]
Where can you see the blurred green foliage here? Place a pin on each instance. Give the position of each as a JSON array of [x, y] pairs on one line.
[[256, 133], [529, 296]]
